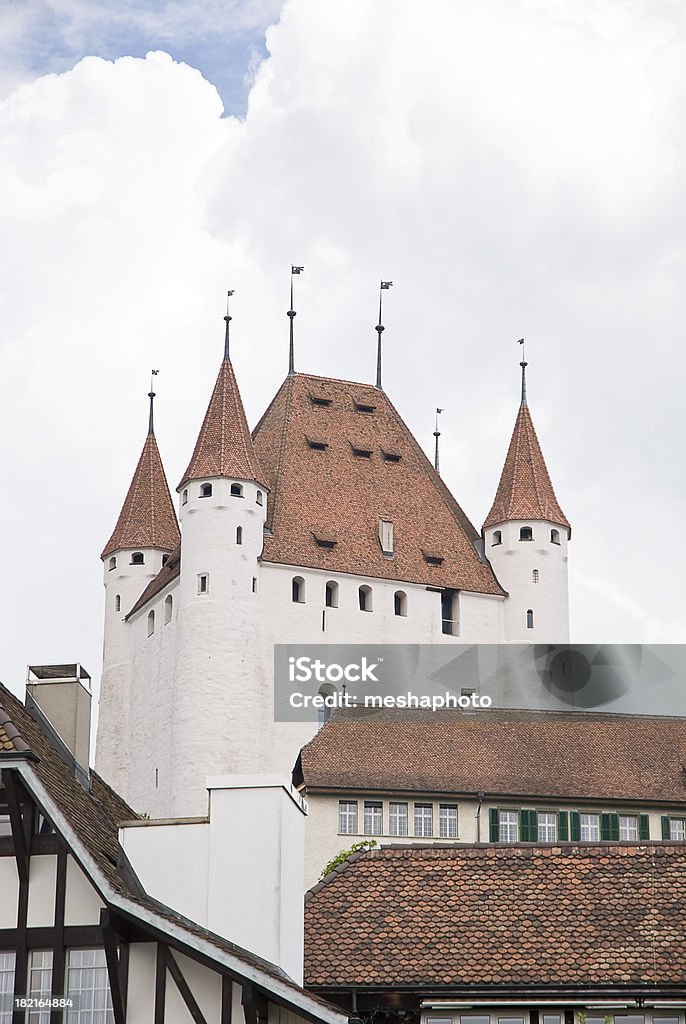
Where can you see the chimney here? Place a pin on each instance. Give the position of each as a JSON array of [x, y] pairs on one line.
[[59, 697]]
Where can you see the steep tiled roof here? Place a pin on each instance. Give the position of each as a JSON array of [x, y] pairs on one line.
[[147, 518], [169, 571], [525, 490], [320, 488], [10, 737], [596, 915], [518, 753], [224, 446]]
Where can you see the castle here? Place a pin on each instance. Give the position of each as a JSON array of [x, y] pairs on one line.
[[327, 524]]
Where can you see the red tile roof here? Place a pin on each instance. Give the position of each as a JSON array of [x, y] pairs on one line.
[[527, 915], [147, 518], [573, 755], [336, 492], [525, 490], [224, 446]]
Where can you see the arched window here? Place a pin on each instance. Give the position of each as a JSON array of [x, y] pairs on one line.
[[237, 490], [239, 535], [526, 533], [497, 538], [331, 595], [151, 623], [534, 575], [530, 619], [206, 490], [259, 498], [365, 599], [554, 536], [298, 590], [168, 608], [400, 602], [184, 496], [165, 558], [137, 558], [117, 603], [112, 564]]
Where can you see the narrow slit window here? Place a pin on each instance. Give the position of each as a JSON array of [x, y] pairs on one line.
[[168, 608], [239, 535], [117, 603], [151, 623], [203, 583], [184, 496], [530, 619], [534, 576]]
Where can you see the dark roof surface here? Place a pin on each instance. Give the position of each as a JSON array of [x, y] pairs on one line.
[[524, 915], [533, 753], [330, 492]]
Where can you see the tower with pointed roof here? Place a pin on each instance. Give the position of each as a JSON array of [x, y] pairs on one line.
[[144, 537], [526, 534]]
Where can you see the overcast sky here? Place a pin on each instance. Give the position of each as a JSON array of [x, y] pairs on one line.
[[516, 167]]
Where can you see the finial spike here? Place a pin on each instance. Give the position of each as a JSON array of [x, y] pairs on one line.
[[291, 314], [385, 285], [151, 396], [227, 321], [437, 434], [523, 364]]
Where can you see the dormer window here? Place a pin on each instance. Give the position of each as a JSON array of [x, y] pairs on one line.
[[386, 536], [361, 407], [324, 538], [526, 533], [206, 490], [317, 446], [320, 400], [137, 558], [431, 558], [362, 453], [112, 564], [497, 538], [391, 457], [236, 490]]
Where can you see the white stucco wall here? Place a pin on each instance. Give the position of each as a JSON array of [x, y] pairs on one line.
[[9, 887], [42, 880], [82, 902]]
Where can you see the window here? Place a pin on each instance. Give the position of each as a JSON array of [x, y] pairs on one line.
[[449, 624], [508, 826], [497, 538], [168, 608], [551, 1018], [40, 983], [239, 535], [317, 446], [298, 590], [590, 827], [365, 599], [423, 819], [184, 496], [203, 583], [554, 536], [470, 1018], [331, 594], [112, 563], [530, 618], [259, 498], [534, 575], [391, 457], [547, 827], [386, 536], [237, 490], [206, 490], [397, 819], [433, 559], [254, 584], [526, 533], [628, 827], [360, 407], [373, 817], [137, 558], [400, 603], [362, 453], [165, 559], [117, 603], [87, 984], [7, 961], [151, 623], [447, 821], [676, 829], [320, 400], [347, 817]]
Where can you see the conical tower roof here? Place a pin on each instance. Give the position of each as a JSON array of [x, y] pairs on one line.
[[525, 490], [224, 446], [147, 518]]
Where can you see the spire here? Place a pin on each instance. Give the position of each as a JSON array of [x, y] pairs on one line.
[[224, 446], [523, 365], [147, 518], [525, 490], [151, 396], [385, 285], [291, 314], [437, 434], [227, 321]]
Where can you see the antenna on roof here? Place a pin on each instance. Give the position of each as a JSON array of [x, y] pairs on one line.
[[437, 434], [385, 285], [291, 314], [523, 364], [227, 321], [151, 396]]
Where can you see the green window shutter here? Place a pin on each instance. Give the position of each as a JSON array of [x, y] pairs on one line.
[[666, 834], [528, 826], [574, 826], [562, 825], [614, 827], [643, 826], [493, 827], [609, 826]]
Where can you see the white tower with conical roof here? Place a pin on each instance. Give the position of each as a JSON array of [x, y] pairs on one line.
[[525, 537]]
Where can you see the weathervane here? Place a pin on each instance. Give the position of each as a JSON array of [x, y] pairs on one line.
[[437, 434], [385, 285], [151, 396], [227, 321], [523, 364], [291, 314]]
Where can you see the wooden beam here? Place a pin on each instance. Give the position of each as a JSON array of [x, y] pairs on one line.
[[113, 968], [160, 982], [186, 994], [21, 852], [227, 1000], [248, 1001], [58, 944]]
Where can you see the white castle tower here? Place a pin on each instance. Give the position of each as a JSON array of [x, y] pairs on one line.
[[143, 539], [525, 537]]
